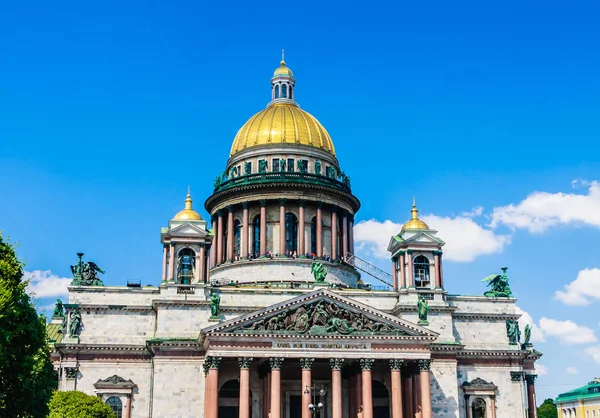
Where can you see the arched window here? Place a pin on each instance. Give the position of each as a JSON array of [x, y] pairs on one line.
[[237, 234], [229, 396], [284, 91], [421, 269], [256, 240], [291, 93], [277, 92], [291, 233], [313, 235], [478, 408], [185, 266], [381, 400], [116, 405]]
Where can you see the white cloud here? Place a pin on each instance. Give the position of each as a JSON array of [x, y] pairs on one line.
[[465, 239], [581, 290], [567, 332], [540, 369], [594, 353], [537, 336], [572, 370], [542, 210], [44, 284]]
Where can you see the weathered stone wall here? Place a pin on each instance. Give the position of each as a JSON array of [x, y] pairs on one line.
[[444, 389], [116, 326], [178, 388]]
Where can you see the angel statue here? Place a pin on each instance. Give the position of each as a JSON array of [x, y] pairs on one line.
[[499, 285], [319, 271], [85, 274]]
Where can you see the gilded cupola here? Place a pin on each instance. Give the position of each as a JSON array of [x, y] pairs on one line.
[[414, 222], [188, 213]]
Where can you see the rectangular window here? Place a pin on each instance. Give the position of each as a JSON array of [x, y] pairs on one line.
[[290, 165], [275, 165]]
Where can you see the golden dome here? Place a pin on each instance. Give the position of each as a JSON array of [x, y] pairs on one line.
[[188, 214], [415, 222], [282, 123], [283, 70]]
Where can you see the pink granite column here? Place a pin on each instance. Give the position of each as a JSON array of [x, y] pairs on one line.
[[396, 378], [345, 234], [493, 406], [219, 238], [128, 406], [367, 390], [358, 404], [172, 262], [436, 268], [336, 387], [394, 275], [531, 405], [408, 399], [245, 231], [319, 231], [424, 366], [282, 250], [441, 271], [213, 387], [213, 247], [351, 235], [334, 231], [301, 246], [263, 228], [275, 387], [409, 273], [306, 364], [207, 280], [164, 269], [402, 270], [244, 403], [230, 237], [200, 263]]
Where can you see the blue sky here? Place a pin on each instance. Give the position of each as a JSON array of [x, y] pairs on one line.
[[486, 113]]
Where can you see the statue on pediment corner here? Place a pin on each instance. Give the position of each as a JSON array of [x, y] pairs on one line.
[[75, 323], [86, 274], [423, 309], [58, 309], [215, 305], [499, 285]]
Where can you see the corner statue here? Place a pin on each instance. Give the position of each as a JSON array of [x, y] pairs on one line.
[[85, 274], [512, 331], [58, 309], [319, 271], [215, 305], [499, 285], [527, 335], [423, 308]]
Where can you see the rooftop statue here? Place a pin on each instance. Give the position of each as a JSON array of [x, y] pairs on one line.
[[86, 274], [58, 309], [319, 271], [527, 335], [499, 285]]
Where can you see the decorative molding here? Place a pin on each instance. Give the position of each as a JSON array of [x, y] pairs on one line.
[[276, 363], [366, 363], [213, 362], [396, 364], [206, 367], [425, 365], [306, 363], [245, 362], [71, 372], [516, 376], [336, 363], [114, 382]]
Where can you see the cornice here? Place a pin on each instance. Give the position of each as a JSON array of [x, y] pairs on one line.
[[479, 354], [433, 308], [101, 348], [484, 315]]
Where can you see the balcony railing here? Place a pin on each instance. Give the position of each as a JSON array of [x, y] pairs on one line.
[[283, 177]]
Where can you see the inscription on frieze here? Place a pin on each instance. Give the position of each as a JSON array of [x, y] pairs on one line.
[[322, 346]]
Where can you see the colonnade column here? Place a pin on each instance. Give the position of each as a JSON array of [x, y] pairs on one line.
[[319, 231], [245, 236], [336, 387], [441, 271], [436, 267], [424, 367], [172, 262], [212, 381], [200, 263], [301, 247], [345, 234], [219, 237], [530, 379], [207, 279], [230, 237], [263, 227], [367, 392], [395, 366], [402, 270], [306, 364], [244, 403], [358, 388], [334, 237], [164, 270], [213, 247], [282, 227], [409, 273], [351, 235], [206, 367], [394, 274], [275, 364], [408, 391]]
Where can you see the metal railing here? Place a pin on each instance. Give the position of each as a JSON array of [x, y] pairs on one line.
[[369, 268], [283, 177]]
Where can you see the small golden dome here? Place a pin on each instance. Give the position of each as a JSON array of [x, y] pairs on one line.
[[415, 222], [188, 214], [283, 70], [282, 123]]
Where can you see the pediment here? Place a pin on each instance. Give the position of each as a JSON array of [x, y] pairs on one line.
[[322, 312], [188, 229], [423, 238]]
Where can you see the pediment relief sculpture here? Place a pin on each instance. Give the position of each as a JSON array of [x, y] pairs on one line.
[[114, 381]]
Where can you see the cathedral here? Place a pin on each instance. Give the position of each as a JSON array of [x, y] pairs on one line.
[[265, 311]]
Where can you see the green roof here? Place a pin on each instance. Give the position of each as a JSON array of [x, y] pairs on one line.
[[54, 333], [589, 391]]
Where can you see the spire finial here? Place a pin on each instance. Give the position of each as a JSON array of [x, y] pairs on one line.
[[414, 202], [188, 200], [283, 55], [188, 190], [414, 211]]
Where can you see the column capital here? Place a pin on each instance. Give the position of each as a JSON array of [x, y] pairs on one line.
[[306, 363], [396, 363], [219, 213], [409, 252], [530, 378], [320, 205], [230, 208], [213, 362], [366, 363], [336, 363], [437, 252], [245, 205], [206, 366], [516, 376], [282, 201], [301, 203], [172, 243], [263, 202], [424, 365], [244, 362], [276, 363]]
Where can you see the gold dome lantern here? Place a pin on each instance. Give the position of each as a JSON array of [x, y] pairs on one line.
[[282, 123], [188, 214], [415, 222], [283, 70]]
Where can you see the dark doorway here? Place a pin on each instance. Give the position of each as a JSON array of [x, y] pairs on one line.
[[381, 400], [229, 397], [295, 406]]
